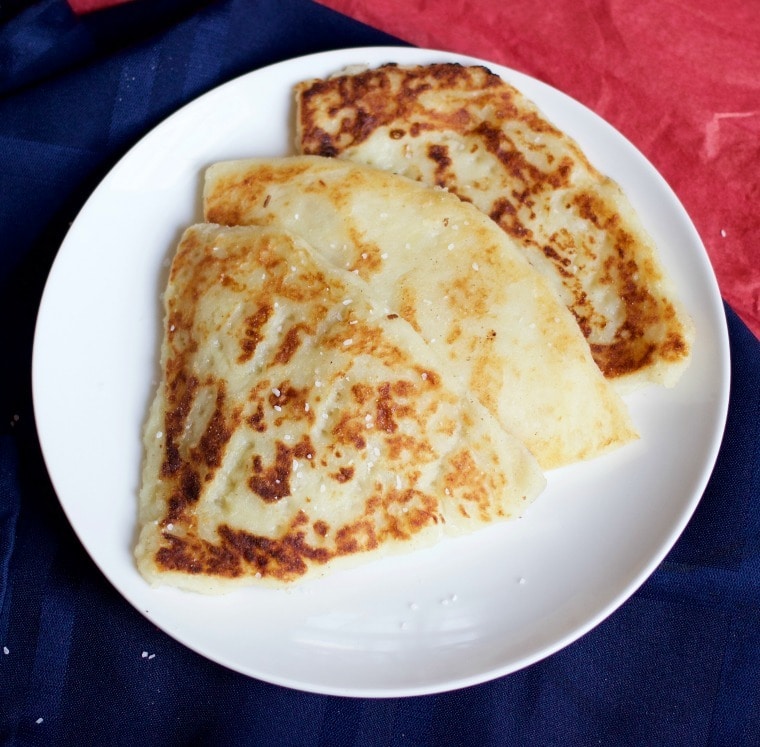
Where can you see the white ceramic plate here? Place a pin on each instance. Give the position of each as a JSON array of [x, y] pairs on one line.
[[464, 612]]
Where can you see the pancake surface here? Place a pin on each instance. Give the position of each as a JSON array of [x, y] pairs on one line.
[[456, 278], [465, 129], [299, 427]]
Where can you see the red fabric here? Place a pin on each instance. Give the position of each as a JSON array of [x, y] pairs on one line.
[[679, 78], [88, 6]]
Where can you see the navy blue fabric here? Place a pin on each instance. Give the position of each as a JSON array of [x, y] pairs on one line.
[[678, 664]]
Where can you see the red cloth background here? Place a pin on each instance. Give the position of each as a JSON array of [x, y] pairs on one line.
[[88, 6], [679, 78]]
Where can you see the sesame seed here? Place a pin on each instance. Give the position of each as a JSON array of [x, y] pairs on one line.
[[450, 247], [322, 488], [278, 408], [6, 651], [306, 406], [723, 232], [384, 255], [144, 654], [365, 255], [521, 581], [152, 656], [39, 720], [276, 392], [159, 434], [347, 301], [349, 341], [475, 266]]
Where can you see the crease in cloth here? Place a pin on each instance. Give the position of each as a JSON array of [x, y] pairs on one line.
[[9, 508]]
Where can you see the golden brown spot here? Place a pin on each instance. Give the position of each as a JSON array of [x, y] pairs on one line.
[[350, 430], [217, 433], [291, 402], [439, 154], [252, 333], [358, 536], [290, 343], [505, 214], [408, 309], [283, 558], [385, 409], [344, 474], [419, 451], [256, 419], [187, 491], [273, 482], [179, 397], [195, 556], [467, 482], [362, 392]]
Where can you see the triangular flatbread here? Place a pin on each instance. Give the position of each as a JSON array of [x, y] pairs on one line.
[[300, 427], [466, 129]]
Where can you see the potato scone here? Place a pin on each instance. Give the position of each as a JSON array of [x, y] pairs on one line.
[[466, 129], [458, 280], [299, 427]]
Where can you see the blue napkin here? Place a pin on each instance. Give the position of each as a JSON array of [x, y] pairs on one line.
[[678, 664]]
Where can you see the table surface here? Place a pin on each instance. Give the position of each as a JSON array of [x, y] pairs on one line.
[[677, 664]]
